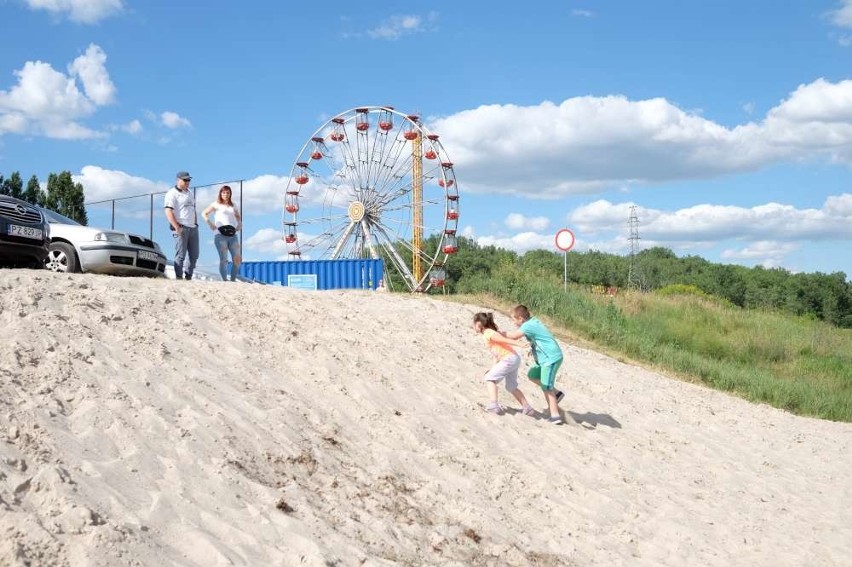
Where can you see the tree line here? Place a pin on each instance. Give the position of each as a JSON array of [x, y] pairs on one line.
[[827, 297], [61, 194]]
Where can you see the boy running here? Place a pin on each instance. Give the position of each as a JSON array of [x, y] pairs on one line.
[[547, 355]]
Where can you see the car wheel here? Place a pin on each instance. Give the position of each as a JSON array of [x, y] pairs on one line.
[[62, 258]]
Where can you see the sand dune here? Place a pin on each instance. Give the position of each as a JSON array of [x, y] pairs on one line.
[[204, 423]]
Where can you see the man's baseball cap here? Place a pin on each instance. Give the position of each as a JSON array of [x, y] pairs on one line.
[[184, 175]]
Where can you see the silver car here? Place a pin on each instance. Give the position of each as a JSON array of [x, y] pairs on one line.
[[78, 248]]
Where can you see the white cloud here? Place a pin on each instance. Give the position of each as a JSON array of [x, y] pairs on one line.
[[81, 11], [768, 253], [49, 103], [265, 192], [839, 205], [519, 221], [267, 241], [133, 127], [842, 16], [44, 94], [15, 123], [100, 184], [600, 216], [705, 225], [764, 233], [588, 144], [819, 103], [91, 68], [582, 13], [173, 120], [772, 221], [398, 26], [166, 125], [520, 242]]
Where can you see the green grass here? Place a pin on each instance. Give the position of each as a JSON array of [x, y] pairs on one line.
[[796, 364]]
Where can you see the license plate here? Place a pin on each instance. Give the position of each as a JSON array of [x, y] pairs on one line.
[[26, 232], [144, 255]]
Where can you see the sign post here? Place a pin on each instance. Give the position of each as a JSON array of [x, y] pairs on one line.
[[565, 241]]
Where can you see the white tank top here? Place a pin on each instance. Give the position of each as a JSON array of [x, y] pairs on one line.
[[223, 215]]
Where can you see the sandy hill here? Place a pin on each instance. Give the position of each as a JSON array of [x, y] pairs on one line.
[[161, 423]]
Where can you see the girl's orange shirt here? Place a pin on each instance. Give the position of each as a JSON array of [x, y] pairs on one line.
[[496, 344]]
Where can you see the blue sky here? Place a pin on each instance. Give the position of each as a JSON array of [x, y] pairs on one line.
[[728, 124]]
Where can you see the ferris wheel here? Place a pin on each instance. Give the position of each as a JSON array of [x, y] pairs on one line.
[[374, 183]]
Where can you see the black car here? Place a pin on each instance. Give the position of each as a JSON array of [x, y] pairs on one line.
[[24, 234]]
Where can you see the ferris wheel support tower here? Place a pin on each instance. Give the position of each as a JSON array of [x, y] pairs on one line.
[[417, 206]]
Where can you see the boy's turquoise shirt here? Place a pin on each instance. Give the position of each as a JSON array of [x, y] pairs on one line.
[[545, 348]]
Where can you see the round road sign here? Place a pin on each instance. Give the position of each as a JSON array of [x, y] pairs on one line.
[[565, 239]]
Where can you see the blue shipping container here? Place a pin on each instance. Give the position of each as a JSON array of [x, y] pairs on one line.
[[330, 274]]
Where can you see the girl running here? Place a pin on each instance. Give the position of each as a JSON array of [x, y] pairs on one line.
[[506, 368]]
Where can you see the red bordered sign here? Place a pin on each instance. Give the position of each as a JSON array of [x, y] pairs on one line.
[[565, 240]]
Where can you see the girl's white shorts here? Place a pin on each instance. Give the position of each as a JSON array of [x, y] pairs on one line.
[[506, 368]]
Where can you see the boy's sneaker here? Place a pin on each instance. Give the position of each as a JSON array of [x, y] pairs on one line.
[[555, 420], [530, 411], [559, 395]]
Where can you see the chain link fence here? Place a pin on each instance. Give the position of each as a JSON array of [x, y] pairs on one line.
[[143, 214]]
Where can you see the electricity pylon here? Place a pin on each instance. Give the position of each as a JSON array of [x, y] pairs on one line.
[[635, 278]]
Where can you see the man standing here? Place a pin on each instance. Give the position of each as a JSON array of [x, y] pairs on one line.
[[180, 212]]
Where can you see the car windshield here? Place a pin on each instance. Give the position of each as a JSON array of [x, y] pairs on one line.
[[54, 217]]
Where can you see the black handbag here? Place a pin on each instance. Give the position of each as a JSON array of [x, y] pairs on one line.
[[227, 230]]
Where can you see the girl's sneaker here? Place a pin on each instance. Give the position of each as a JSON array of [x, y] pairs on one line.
[[555, 420], [494, 408]]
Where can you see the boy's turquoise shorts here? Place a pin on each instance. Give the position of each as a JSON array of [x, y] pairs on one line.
[[546, 374]]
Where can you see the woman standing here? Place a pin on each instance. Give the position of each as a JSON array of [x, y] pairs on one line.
[[225, 223]]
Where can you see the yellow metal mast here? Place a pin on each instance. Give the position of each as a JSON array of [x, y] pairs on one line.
[[417, 208]]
